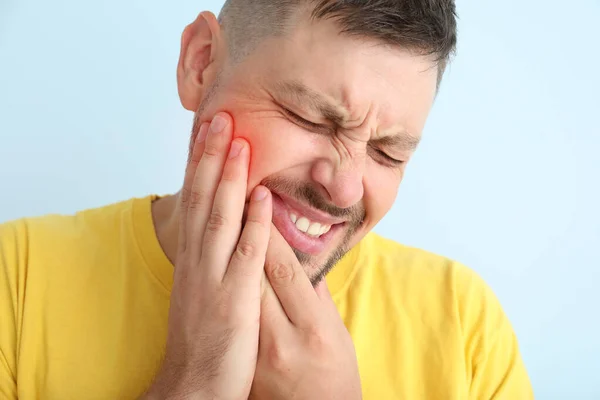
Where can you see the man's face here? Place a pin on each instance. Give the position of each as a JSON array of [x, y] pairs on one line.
[[332, 121]]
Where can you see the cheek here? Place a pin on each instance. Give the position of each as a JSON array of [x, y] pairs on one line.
[[276, 145], [381, 189]]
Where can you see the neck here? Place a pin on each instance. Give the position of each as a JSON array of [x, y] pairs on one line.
[[165, 216]]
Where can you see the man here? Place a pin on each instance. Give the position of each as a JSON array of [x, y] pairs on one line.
[[306, 114]]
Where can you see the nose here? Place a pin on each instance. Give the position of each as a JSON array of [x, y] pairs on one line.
[[343, 181]]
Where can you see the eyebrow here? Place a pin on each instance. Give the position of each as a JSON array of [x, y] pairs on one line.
[[339, 115]]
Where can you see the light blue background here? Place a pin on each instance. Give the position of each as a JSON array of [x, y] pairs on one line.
[[506, 181]]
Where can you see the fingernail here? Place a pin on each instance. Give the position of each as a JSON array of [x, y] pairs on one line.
[[236, 148], [218, 124], [259, 193], [202, 133]]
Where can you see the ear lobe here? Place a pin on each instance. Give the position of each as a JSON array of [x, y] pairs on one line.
[[197, 68]]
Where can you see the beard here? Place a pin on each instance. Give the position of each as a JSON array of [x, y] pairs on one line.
[[305, 193]]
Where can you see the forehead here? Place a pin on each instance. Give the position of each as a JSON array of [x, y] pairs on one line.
[[369, 79]]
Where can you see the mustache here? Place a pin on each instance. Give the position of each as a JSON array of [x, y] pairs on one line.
[[306, 192]]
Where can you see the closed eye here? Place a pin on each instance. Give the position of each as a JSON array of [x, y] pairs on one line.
[[298, 119], [387, 158], [380, 154]]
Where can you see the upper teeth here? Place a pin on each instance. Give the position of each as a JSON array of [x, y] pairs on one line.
[[308, 227]]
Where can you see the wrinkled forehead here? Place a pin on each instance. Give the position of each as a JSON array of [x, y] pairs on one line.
[[367, 78]]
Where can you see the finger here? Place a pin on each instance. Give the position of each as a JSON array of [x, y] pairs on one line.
[[225, 221], [246, 267], [190, 172], [274, 321], [206, 181], [324, 295], [289, 281]]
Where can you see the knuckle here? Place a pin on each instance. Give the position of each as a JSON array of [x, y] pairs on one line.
[[257, 232], [280, 273], [216, 221], [258, 222], [278, 358], [231, 172], [194, 156], [246, 249], [185, 195], [316, 341], [195, 198], [211, 149]]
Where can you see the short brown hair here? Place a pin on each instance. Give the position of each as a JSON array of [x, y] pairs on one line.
[[427, 27]]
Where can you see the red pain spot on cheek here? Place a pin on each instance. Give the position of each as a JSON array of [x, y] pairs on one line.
[[250, 164], [250, 147]]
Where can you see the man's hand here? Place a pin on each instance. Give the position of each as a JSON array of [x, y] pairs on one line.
[[213, 331], [305, 351]]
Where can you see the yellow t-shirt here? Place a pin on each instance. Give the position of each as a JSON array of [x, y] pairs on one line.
[[84, 305]]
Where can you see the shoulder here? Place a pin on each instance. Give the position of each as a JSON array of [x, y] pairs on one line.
[[14, 243], [12, 233], [453, 298], [383, 256], [37, 237], [422, 277], [55, 226]]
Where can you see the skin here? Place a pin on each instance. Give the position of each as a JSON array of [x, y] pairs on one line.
[[212, 339], [385, 91], [215, 323]]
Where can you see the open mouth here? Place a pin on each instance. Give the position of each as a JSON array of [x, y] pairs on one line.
[[305, 229]]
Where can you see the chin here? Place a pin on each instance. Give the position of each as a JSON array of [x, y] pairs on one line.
[[318, 266]]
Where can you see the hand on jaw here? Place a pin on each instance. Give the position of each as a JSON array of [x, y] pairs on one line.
[[305, 351], [229, 336]]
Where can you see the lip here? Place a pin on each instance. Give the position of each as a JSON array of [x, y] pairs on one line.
[[295, 238], [313, 215]]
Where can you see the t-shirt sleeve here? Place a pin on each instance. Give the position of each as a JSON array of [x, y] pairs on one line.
[[13, 247], [494, 361]]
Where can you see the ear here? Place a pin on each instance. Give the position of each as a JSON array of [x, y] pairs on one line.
[[199, 60]]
